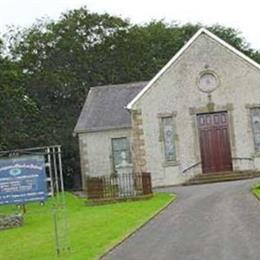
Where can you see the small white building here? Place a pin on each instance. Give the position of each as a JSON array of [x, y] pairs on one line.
[[199, 114]]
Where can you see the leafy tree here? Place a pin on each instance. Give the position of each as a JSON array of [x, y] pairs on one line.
[[55, 63], [141, 51], [60, 62], [17, 110]]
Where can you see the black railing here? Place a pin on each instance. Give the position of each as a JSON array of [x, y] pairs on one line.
[[119, 186], [191, 167], [243, 158]]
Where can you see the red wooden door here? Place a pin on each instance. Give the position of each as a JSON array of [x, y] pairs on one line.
[[214, 142]]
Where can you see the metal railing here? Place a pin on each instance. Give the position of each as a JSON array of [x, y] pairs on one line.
[[191, 167], [240, 160], [119, 186], [243, 158]]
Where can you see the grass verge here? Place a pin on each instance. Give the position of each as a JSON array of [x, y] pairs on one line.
[[92, 230], [256, 191]]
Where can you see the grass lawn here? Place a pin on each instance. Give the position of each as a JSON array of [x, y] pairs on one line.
[[92, 229], [256, 190]]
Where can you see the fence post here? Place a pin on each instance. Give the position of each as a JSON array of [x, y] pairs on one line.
[[95, 187], [147, 183]]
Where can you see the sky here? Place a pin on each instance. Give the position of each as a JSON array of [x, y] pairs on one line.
[[239, 14]]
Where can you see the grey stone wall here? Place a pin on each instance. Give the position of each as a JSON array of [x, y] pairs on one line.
[[11, 221], [176, 90], [96, 151]]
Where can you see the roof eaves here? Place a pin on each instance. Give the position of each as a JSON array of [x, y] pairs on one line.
[[100, 129]]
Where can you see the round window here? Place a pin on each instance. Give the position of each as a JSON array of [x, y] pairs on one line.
[[208, 82]]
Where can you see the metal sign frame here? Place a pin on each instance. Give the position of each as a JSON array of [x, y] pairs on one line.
[[55, 183]]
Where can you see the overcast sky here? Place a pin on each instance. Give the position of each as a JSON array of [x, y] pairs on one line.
[[242, 15]]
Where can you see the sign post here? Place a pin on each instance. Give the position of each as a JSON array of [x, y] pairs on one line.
[[34, 174]]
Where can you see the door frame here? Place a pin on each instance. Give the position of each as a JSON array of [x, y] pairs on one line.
[[228, 143], [194, 111]]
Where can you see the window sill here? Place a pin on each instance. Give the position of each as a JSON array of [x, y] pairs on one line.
[[170, 163]]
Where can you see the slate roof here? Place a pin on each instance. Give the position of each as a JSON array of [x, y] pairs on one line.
[[104, 107]]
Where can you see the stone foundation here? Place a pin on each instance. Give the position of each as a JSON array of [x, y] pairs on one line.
[[10, 221]]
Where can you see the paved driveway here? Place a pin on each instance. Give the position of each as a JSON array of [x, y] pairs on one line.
[[207, 222]]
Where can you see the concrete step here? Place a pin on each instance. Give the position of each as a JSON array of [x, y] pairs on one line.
[[221, 176], [226, 174]]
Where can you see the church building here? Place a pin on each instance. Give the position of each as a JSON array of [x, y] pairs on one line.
[[199, 115]]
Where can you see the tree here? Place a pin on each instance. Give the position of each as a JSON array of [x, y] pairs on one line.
[[17, 110], [58, 61]]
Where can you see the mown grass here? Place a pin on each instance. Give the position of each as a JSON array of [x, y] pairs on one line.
[[256, 190], [92, 230]]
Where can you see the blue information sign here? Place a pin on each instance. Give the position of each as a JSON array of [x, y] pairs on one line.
[[23, 179]]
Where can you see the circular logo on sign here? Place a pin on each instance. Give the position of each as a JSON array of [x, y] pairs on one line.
[[207, 81], [15, 172]]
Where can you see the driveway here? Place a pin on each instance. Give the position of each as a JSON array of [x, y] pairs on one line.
[[207, 222]]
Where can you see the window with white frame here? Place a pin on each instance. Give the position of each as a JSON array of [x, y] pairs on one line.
[[120, 150], [255, 117], [168, 138]]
